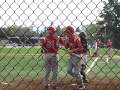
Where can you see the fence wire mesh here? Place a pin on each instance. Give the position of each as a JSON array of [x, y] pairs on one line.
[[23, 23]]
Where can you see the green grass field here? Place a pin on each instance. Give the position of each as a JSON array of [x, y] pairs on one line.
[[27, 63]]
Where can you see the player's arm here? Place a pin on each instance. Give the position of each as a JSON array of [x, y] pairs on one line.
[[61, 41], [79, 48], [64, 43], [42, 44]]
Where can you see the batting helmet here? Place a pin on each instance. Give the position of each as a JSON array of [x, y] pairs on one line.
[[65, 32], [51, 29], [82, 34], [69, 30]]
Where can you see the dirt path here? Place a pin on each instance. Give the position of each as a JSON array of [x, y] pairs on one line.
[[63, 85]]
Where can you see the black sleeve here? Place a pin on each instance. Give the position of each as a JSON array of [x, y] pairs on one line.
[[84, 43]]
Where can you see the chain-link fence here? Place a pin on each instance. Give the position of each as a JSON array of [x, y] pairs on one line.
[[23, 23]]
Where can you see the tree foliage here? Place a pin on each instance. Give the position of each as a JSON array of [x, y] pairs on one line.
[[16, 31], [111, 21]]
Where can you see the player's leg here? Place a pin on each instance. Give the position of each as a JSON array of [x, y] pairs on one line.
[[55, 72], [110, 52], [70, 67], [76, 64], [98, 51], [95, 52], [47, 70], [83, 67]]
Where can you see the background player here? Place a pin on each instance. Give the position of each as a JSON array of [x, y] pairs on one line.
[[109, 46], [97, 45]]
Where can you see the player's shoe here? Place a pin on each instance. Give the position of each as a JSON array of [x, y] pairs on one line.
[[45, 87], [85, 81], [71, 73], [54, 87], [81, 87]]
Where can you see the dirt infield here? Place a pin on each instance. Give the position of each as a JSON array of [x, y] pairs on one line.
[[64, 85]]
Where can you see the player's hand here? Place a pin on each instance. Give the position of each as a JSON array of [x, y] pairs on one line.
[[70, 51], [67, 50]]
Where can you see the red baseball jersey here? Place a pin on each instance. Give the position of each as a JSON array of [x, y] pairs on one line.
[[74, 42], [98, 43], [109, 44], [50, 44]]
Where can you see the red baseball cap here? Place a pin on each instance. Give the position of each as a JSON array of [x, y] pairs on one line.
[[51, 29], [69, 30]]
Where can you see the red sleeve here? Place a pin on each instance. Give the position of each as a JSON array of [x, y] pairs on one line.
[[43, 44], [64, 42], [61, 41]]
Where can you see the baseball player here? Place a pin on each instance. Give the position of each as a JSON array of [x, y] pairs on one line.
[[109, 46], [73, 44], [96, 47], [50, 46], [84, 56]]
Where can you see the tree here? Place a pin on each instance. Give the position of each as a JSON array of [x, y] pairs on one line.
[[111, 21], [3, 33], [14, 31]]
